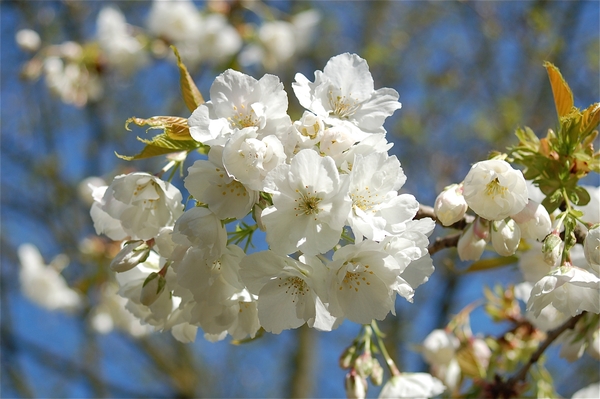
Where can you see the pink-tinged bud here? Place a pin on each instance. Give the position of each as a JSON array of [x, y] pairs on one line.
[[356, 386], [506, 236], [591, 248], [153, 286], [132, 254], [376, 373], [471, 245], [364, 364], [551, 248], [534, 221], [450, 206]]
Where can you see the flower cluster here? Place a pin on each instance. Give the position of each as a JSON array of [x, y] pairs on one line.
[[342, 242], [216, 35], [498, 194]]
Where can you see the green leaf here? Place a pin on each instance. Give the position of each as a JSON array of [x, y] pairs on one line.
[[191, 95], [582, 195], [563, 97], [160, 145], [491, 263]]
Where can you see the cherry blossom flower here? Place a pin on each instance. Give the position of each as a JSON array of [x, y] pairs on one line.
[[376, 205], [363, 282], [42, 283], [121, 49], [289, 291], [591, 248], [569, 289], [494, 190], [343, 94], [239, 101], [310, 195], [412, 385], [142, 203], [209, 183]]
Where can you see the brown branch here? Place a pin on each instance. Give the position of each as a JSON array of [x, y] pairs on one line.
[[510, 388], [443, 243], [447, 241]]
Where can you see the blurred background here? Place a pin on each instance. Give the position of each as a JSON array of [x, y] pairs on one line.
[[468, 73]]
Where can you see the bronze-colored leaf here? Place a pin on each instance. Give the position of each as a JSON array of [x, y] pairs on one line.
[[563, 97], [174, 126], [161, 145], [191, 95]]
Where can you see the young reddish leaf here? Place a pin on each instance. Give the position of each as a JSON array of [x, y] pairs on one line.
[[174, 126], [563, 97], [161, 145], [191, 94]]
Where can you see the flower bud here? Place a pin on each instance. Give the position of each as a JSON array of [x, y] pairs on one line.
[[364, 364], [551, 248], [534, 221], [346, 360], [505, 237], [132, 254], [471, 245], [591, 248], [28, 40], [450, 206], [153, 286], [376, 373], [356, 386]]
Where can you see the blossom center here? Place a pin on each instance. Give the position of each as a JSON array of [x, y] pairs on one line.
[[353, 279], [494, 188], [243, 119], [363, 200], [343, 107], [293, 286], [307, 204]]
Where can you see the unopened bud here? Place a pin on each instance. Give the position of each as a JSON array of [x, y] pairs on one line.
[[506, 236], [132, 254], [534, 221], [28, 40], [470, 246], [450, 205], [376, 373], [364, 364], [551, 248], [347, 358], [356, 386], [153, 286]]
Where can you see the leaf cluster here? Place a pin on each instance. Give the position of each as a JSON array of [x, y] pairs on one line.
[[556, 162]]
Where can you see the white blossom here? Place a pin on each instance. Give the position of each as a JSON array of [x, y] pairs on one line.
[[239, 101], [571, 290], [343, 94], [376, 205], [28, 40], [309, 195], [209, 183], [412, 385], [142, 203], [289, 291], [248, 158], [201, 228], [121, 49], [42, 283], [494, 190], [591, 248], [363, 279]]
